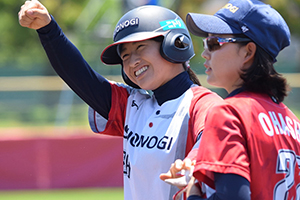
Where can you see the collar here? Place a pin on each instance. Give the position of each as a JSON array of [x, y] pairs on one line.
[[173, 89], [239, 90], [236, 91]]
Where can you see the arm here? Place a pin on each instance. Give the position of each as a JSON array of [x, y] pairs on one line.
[[69, 64], [228, 187], [65, 58]]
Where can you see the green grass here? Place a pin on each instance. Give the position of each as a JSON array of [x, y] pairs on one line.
[[69, 194]]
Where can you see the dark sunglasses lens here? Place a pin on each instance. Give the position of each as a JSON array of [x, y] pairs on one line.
[[213, 44]]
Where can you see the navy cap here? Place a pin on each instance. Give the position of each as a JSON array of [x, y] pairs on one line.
[[253, 18]]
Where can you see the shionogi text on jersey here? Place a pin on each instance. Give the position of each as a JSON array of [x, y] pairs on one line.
[[277, 123], [126, 164], [150, 142]]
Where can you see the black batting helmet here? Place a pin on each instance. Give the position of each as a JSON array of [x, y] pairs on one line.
[[147, 22]]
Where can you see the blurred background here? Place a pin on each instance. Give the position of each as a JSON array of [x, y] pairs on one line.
[[38, 108]]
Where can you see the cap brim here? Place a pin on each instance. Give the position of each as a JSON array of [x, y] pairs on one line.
[[110, 55], [202, 24]]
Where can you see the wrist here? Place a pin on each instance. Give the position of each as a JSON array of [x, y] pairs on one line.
[[48, 27]]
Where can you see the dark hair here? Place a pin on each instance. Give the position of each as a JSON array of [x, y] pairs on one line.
[[192, 74], [261, 77]]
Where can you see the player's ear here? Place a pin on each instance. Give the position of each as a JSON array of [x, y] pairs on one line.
[[249, 53]]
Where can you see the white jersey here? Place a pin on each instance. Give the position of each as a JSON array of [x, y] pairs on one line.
[[154, 136]]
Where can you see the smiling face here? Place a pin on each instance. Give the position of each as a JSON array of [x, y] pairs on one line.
[[223, 66], [144, 65]]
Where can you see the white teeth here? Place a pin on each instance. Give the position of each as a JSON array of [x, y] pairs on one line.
[[138, 72]]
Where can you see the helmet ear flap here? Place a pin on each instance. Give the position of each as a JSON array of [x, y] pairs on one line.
[[177, 47]]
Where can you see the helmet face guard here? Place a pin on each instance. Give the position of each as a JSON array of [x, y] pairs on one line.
[[147, 22]]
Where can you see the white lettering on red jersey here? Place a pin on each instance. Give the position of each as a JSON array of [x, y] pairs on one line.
[[254, 137]]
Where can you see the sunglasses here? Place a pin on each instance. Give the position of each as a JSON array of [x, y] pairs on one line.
[[214, 43]]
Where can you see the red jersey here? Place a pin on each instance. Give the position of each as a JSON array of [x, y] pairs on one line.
[[254, 137]]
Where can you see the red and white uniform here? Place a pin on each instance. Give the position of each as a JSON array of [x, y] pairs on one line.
[[250, 135], [154, 136]]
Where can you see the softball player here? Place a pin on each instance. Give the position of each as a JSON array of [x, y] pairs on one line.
[[253, 150], [153, 46]]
